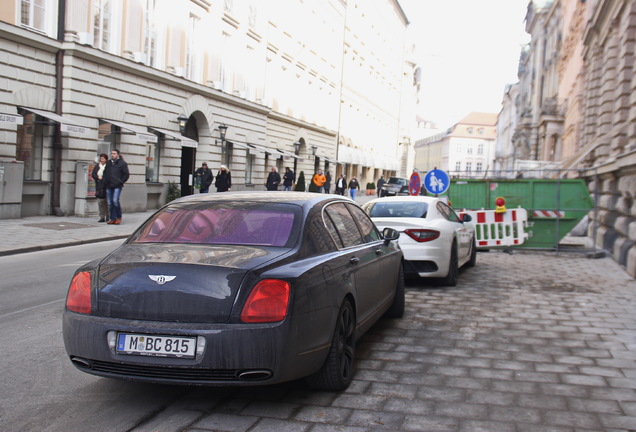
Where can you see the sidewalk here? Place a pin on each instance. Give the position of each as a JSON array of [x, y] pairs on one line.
[[35, 233]]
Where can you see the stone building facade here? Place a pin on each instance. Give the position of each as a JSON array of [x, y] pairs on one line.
[[288, 83], [576, 108]]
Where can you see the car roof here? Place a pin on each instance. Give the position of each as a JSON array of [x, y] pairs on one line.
[[303, 199]]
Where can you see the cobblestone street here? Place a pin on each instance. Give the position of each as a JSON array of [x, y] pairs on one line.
[[527, 341]]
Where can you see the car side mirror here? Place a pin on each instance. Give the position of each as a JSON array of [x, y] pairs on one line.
[[390, 234], [466, 218]]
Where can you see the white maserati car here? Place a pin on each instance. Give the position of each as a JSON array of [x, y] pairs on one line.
[[435, 241]]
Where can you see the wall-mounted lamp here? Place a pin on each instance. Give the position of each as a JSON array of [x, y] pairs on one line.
[[182, 123], [222, 131], [313, 150], [297, 145]]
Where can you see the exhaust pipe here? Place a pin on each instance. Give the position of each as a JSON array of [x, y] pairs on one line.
[[82, 363], [255, 375]]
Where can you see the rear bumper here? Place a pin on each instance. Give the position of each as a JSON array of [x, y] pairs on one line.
[[239, 354]]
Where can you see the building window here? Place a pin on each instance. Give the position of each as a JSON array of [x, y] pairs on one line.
[[249, 165], [30, 145], [469, 149], [470, 130], [458, 166], [480, 148], [479, 166], [469, 166], [101, 24], [192, 53], [32, 14], [150, 35], [153, 160]]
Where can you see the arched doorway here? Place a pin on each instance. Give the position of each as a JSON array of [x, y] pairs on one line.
[[188, 157]]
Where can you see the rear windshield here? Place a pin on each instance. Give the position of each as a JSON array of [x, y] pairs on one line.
[[398, 209], [397, 180], [255, 224]]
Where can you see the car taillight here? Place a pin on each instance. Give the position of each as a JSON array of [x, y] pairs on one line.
[[267, 302], [78, 298], [422, 235]]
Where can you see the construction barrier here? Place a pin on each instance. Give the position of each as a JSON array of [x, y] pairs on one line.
[[494, 229]]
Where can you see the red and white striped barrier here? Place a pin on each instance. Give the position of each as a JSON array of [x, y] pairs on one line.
[[499, 229], [551, 214]]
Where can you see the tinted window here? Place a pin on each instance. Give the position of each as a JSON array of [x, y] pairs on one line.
[[399, 209], [369, 232], [344, 225], [223, 223]]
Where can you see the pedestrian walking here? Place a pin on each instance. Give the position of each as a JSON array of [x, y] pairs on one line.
[[327, 183], [204, 177], [223, 180], [381, 182], [100, 189], [115, 175], [353, 187], [288, 179], [319, 180], [341, 185], [273, 180]]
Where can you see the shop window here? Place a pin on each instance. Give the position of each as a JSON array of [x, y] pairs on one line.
[[109, 138], [227, 151], [30, 144], [153, 161], [249, 165]]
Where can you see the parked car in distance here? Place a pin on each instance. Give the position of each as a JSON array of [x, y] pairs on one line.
[[395, 186], [238, 288], [435, 241]]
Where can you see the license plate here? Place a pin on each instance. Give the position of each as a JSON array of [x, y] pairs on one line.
[[156, 345]]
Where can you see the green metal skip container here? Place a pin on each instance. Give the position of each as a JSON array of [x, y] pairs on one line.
[[554, 206]]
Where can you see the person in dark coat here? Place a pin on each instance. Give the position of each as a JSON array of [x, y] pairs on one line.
[[100, 190], [327, 185], [273, 180], [381, 183], [353, 187], [115, 175], [288, 179], [341, 185], [204, 177], [223, 180]]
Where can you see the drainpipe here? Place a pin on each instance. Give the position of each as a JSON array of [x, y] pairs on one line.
[[57, 137]]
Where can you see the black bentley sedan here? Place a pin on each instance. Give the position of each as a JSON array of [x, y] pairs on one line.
[[237, 288]]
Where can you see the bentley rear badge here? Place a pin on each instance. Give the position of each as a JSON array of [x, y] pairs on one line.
[[161, 279]]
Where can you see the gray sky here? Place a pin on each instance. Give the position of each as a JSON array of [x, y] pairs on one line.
[[468, 51]]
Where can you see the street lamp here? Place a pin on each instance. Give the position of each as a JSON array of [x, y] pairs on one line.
[[222, 131], [182, 123], [313, 150], [224, 155]]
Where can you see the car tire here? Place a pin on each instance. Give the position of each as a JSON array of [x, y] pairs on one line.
[[473, 255], [337, 371], [453, 268], [396, 310]]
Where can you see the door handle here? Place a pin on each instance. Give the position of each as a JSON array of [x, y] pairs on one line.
[[378, 251], [354, 260]]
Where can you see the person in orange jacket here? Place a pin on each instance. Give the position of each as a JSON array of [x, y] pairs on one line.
[[319, 180]]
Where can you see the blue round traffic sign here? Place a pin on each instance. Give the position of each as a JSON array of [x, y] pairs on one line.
[[436, 182], [414, 184]]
